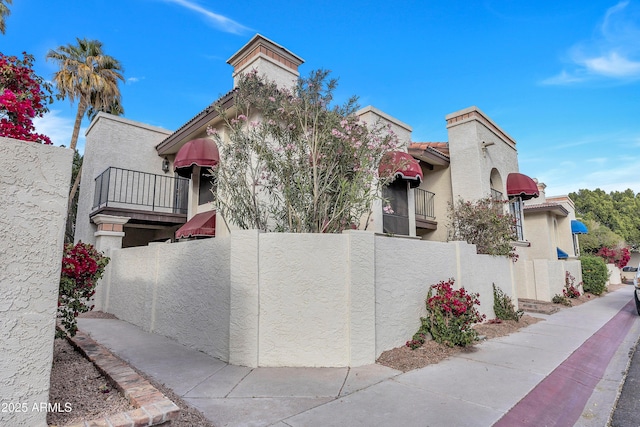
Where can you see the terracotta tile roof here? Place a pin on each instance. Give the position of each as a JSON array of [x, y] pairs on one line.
[[442, 147]]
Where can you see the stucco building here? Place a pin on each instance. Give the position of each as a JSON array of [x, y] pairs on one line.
[[142, 185]]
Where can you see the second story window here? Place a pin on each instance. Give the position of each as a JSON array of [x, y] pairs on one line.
[[395, 210], [206, 187], [515, 208]]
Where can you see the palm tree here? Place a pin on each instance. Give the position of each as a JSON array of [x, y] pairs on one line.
[[4, 12], [91, 77], [88, 75]]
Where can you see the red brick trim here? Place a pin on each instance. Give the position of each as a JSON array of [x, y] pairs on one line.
[[152, 407]]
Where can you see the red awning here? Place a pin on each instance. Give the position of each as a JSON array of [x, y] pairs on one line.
[[201, 152], [201, 225], [401, 165], [521, 185]]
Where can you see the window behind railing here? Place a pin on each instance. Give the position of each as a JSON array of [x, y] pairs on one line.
[[126, 188], [495, 194]]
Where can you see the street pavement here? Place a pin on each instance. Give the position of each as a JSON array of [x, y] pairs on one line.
[[566, 370], [627, 411]]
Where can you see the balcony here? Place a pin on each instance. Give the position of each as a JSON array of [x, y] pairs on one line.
[[425, 211], [144, 197]]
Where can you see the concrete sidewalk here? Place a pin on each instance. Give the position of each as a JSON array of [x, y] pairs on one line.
[[478, 388]]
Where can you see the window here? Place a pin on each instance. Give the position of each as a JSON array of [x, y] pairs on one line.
[[515, 207], [207, 186], [395, 212]]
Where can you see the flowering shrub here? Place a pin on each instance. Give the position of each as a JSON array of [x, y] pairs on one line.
[[485, 224], [570, 290], [23, 96], [82, 267], [618, 256], [504, 307], [450, 315], [291, 162]]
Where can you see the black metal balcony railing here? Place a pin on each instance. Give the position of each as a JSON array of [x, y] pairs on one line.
[[125, 188], [495, 194], [424, 203]]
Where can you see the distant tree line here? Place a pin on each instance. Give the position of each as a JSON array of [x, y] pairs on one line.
[[613, 219]]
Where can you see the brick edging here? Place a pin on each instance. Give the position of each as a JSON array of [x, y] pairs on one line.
[[152, 407]]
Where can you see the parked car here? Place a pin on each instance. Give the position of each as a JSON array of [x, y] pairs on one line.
[[628, 273], [636, 293]]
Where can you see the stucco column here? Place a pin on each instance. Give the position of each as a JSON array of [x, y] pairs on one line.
[[361, 283], [110, 231], [244, 298], [109, 236]]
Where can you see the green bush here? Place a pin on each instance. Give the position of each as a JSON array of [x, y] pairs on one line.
[[594, 274], [561, 299], [504, 307]]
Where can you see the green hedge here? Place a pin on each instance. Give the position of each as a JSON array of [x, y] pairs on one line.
[[594, 274]]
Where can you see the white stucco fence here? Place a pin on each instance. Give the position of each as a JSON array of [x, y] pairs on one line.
[[615, 276], [279, 299], [34, 186]]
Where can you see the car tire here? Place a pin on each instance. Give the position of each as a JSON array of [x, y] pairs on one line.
[[635, 297]]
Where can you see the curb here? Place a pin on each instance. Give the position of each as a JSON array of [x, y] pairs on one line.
[[151, 407]]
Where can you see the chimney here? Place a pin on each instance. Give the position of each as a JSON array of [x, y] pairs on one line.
[[269, 59], [542, 198]]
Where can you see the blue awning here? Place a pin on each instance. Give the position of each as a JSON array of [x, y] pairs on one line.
[[562, 254], [578, 227]]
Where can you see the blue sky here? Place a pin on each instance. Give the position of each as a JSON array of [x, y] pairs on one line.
[[562, 78]]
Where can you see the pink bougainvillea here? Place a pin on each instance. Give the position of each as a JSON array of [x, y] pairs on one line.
[[23, 96], [82, 267]]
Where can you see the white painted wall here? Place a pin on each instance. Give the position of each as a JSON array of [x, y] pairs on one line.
[[284, 299], [34, 186], [178, 290], [303, 300], [615, 277]]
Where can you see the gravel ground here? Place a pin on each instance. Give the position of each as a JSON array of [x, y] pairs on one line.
[[404, 359], [75, 380]]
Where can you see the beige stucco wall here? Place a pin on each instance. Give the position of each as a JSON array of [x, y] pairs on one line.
[[471, 164], [438, 181], [287, 299], [542, 279], [540, 232], [118, 142], [375, 117], [34, 186], [179, 290], [303, 300]]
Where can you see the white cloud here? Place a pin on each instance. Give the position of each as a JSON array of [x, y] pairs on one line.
[[59, 129], [134, 79], [221, 22], [613, 52], [613, 65], [562, 79]]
